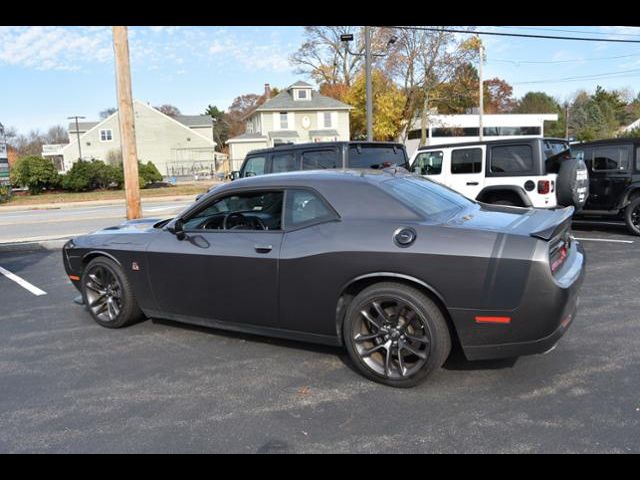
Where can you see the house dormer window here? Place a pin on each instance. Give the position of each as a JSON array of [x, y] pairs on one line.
[[302, 94]]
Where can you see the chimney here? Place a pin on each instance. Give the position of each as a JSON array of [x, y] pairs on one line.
[[267, 91]]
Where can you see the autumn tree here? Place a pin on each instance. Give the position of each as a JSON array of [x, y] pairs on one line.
[[169, 110], [540, 102], [388, 103], [498, 96], [460, 93]]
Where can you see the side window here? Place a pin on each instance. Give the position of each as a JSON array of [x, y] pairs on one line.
[[245, 211], [511, 159], [611, 158], [254, 166], [305, 207], [466, 160], [428, 163], [638, 159], [320, 159], [283, 162]]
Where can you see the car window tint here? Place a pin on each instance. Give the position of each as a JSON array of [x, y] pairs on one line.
[[320, 159], [253, 210], [254, 166], [638, 158], [611, 158], [428, 163], [363, 156], [466, 160], [426, 196], [283, 162], [304, 207], [512, 159]]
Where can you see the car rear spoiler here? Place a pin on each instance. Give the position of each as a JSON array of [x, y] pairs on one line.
[[555, 221]]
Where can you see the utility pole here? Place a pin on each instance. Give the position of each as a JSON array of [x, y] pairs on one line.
[[566, 120], [76, 117], [367, 63], [481, 109], [368, 55], [127, 122]]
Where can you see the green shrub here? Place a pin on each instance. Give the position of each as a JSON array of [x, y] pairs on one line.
[[35, 173], [85, 176], [149, 172], [5, 193]]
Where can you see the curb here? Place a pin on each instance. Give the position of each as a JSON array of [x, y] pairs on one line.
[[90, 203], [53, 244]]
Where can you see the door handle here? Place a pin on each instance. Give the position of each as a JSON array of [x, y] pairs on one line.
[[263, 248], [472, 183]]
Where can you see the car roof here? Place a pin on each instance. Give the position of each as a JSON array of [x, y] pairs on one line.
[[507, 141], [296, 146], [608, 141]]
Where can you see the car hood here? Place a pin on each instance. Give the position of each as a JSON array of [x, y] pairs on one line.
[[535, 222], [130, 226]]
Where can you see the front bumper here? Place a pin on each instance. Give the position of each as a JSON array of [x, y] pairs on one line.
[[548, 308]]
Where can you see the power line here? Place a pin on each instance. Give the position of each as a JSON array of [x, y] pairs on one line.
[[565, 31], [565, 61], [519, 35], [597, 76]]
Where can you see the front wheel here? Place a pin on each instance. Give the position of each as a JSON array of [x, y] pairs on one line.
[[632, 216], [395, 334], [108, 295]]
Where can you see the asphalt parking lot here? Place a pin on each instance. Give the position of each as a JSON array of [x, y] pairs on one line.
[[69, 385]]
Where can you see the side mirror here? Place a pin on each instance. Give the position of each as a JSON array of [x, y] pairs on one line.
[[178, 229], [235, 175]]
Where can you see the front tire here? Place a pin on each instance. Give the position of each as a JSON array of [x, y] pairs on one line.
[[632, 216], [108, 295], [396, 335]]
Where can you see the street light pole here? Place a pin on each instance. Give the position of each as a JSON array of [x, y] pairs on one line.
[[367, 63], [76, 117]]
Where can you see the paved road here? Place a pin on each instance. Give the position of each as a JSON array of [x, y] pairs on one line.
[[69, 385], [37, 224]]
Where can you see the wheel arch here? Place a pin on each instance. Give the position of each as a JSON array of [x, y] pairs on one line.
[[357, 284], [87, 257], [632, 192], [488, 192]]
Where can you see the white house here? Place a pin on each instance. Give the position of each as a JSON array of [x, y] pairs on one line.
[[181, 145], [465, 128], [296, 115]]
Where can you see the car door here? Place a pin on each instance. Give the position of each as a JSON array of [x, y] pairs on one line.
[[217, 274], [467, 172], [610, 172], [284, 162], [307, 287]]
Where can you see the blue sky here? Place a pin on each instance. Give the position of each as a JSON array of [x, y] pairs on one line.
[[50, 73]]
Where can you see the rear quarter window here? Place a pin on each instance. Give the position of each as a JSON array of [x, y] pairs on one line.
[[466, 160], [511, 160]]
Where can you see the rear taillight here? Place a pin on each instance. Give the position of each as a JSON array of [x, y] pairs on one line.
[[544, 187], [559, 251]]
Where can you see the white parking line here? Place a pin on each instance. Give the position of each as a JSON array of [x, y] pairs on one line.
[[22, 282], [603, 240]]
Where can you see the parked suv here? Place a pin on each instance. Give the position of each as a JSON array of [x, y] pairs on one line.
[[524, 172], [614, 178], [323, 155]]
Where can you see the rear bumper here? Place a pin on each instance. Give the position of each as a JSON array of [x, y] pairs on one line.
[[548, 308]]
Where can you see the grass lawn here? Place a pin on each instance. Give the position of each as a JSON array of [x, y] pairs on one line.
[[64, 197]]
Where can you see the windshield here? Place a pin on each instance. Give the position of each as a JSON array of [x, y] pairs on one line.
[[377, 156], [427, 197]]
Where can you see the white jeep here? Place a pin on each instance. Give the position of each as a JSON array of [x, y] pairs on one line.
[[524, 172]]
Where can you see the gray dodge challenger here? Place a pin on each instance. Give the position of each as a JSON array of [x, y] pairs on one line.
[[394, 267]]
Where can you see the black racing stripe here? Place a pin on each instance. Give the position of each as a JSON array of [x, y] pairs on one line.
[[492, 268]]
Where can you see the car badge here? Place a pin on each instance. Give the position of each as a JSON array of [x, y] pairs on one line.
[[135, 267]]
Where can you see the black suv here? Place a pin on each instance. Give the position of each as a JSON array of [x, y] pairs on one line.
[[323, 155], [614, 185]]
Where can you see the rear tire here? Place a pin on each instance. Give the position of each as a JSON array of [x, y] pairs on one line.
[[632, 216], [396, 335], [108, 295]]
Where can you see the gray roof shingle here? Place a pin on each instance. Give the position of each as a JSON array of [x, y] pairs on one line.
[[82, 126], [194, 120], [284, 101]]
